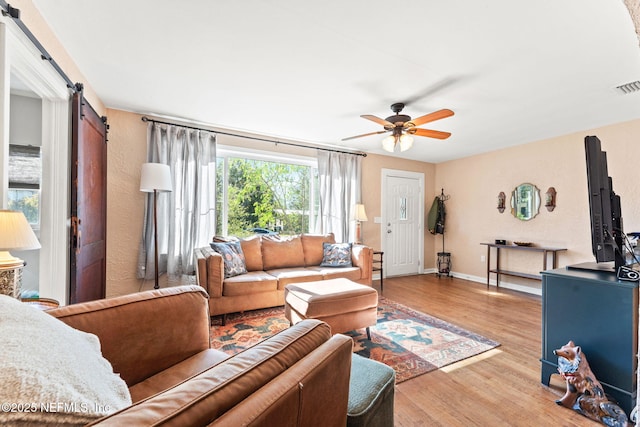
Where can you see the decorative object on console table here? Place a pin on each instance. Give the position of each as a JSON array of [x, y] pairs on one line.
[[550, 199], [501, 201], [15, 234], [359, 215], [155, 177]]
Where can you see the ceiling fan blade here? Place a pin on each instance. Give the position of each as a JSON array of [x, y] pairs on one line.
[[365, 134], [436, 115], [378, 120], [429, 133]]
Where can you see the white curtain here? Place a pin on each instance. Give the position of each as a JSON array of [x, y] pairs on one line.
[[186, 215], [340, 176]]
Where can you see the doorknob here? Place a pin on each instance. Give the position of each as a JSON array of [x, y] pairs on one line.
[[388, 231]]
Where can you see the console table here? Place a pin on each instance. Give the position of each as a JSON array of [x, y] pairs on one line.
[[600, 314], [498, 271]]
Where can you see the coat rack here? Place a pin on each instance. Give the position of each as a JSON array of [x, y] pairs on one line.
[[444, 258]]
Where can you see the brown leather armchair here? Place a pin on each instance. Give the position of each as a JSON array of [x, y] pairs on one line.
[[158, 341]]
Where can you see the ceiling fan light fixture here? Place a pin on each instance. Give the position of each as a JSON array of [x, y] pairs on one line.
[[389, 143], [406, 142]]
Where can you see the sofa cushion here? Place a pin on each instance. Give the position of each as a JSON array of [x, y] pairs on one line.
[[54, 366], [312, 246], [233, 258], [282, 252], [176, 374], [328, 273], [295, 275], [336, 255], [250, 283], [252, 249]]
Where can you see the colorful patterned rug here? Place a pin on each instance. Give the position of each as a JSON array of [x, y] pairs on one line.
[[411, 342]]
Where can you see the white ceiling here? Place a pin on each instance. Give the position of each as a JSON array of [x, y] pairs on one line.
[[513, 71]]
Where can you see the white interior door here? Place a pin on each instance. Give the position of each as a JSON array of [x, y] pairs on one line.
[[403, 222]]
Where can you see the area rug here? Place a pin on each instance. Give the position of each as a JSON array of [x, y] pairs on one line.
[[411, 342]]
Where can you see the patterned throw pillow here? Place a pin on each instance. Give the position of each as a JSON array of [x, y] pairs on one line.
[[336, 255], [233, 257]]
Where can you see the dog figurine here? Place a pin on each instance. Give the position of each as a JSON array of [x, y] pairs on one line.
[[584, 392]]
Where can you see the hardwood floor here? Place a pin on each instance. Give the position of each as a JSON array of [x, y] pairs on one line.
[[499, 388]]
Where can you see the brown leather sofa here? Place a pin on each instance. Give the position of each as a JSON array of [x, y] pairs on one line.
[[158, 341], [273, 263]]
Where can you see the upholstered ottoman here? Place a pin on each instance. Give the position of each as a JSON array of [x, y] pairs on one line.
[[371, 393], [341, 303]]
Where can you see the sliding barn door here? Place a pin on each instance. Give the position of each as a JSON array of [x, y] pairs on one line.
[[88, 203]]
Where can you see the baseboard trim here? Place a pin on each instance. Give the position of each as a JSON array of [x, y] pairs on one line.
[[503, 284], [483, 280]]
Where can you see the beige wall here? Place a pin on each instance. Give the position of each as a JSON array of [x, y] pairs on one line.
[[474, 184], [126, 152]]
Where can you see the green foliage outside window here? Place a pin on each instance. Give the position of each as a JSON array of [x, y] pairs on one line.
[[27, 201], [268, 195]]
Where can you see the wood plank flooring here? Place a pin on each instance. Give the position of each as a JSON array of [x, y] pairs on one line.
[[499, 388]]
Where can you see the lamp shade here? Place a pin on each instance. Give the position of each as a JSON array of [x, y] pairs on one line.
[[16, 233], [360, 214], [155, 176], [389, 143]]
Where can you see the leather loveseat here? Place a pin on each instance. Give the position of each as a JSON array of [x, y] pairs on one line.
[[158, 342], [271, 264]]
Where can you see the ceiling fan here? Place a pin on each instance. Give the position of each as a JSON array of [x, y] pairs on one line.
[[402, 127]]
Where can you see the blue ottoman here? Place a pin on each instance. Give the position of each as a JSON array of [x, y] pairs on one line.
[[371, 392]]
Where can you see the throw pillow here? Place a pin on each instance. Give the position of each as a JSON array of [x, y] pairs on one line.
[[52, 374], [233, 257], [336, 255]]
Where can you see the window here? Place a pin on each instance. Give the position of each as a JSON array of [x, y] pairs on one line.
[[25, 170], [261, 193]]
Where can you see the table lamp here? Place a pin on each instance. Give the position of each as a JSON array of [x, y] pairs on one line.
[[360, 215], [15, 234], [155, 178]]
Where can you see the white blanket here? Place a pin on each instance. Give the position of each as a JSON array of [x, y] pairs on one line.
[[51, 373]]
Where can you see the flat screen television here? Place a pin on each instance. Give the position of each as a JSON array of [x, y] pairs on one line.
[[607, 237]]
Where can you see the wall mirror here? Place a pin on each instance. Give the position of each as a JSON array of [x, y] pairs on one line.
[[525, 201]]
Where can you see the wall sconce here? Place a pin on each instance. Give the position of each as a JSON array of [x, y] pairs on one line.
[[550, 199], [501, 201]]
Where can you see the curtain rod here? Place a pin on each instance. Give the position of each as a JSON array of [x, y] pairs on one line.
[[357, 153], [14, 13]]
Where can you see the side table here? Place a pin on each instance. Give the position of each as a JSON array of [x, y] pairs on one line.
[[41, 303], [378, 265]]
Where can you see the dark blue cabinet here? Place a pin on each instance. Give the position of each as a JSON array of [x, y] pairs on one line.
[[599, 313]]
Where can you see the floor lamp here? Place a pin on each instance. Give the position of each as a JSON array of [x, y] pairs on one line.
[[15, 234], [155, 178]]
